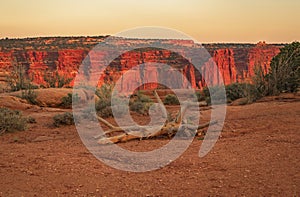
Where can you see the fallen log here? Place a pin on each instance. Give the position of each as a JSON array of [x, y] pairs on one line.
[[169, 129]]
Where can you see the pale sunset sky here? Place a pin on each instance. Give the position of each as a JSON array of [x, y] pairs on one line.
[[274, 21]]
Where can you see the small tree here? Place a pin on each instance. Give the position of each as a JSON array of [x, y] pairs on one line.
[[104, 106], [18, 79], [285, 70], [56, 80], [29, 94]]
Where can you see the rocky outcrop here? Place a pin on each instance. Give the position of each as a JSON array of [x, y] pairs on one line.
[[38, 63], [236, 63], [225, 66], [261, 56]]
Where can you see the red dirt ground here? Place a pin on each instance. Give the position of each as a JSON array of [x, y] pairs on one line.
[[258, 154]]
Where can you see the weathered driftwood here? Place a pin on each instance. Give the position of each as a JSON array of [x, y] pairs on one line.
[[169, 129]]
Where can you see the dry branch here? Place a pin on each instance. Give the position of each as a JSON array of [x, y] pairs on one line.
[[169, 129]]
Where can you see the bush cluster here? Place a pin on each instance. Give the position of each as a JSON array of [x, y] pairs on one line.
[[30, 95], [56, 80], [11, 120], [140, 103], [171, 99], [63, 119], [105, 107], [66, 102], [284, 75]]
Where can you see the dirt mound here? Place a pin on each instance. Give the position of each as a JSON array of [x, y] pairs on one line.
[[13, 102], [50, 97]]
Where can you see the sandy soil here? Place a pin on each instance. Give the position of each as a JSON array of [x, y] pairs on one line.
[[257, 155]]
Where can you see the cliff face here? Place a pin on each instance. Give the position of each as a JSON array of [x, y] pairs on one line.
[[261, 56], [225, 62], [235, 64], [39, 63]]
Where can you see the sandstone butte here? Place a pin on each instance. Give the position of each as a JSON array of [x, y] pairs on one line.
[[40, 56]]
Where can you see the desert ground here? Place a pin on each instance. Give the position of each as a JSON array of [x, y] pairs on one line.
[[257, 155]]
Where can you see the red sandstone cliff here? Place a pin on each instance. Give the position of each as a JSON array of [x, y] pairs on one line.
[[261, 55], [235, 65]]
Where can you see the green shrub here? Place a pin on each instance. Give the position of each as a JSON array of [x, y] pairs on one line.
[[56, 80], [63, 119], [30, 95], [104, 105], [171, 99], [200, 96], [235, 91], [252, 92], [140, 107], [11, 120], [103, 108], [217, 92], [17, 79], [285, 70], [66, 102], [140, 103]]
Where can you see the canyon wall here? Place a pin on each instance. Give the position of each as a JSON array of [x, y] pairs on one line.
[[236, 63]]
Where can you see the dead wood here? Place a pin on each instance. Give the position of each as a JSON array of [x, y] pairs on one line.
[[169, 129]]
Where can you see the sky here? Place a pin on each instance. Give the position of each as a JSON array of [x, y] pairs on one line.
[[209, 21]]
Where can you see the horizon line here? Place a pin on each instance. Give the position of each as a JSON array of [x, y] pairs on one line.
[[107, 35]]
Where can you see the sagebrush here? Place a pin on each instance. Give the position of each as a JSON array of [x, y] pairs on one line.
[[12, 120], [66, 101], [63, 119], [30, 95], [104, 105], [140, 103], [171, 99]]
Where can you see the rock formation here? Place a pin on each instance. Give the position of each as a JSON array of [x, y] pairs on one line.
[[236, 62]]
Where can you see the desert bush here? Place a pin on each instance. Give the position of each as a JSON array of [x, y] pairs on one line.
[[217, 92], [284, 75], [140, 107], [11, 120], [200, 96], [105, 107], [235, 91], [66, 101], [56, 80], [140, 103], [63, 119], [258, 88], [171, 99], [245, 90], [29, 94], [18, 78]]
